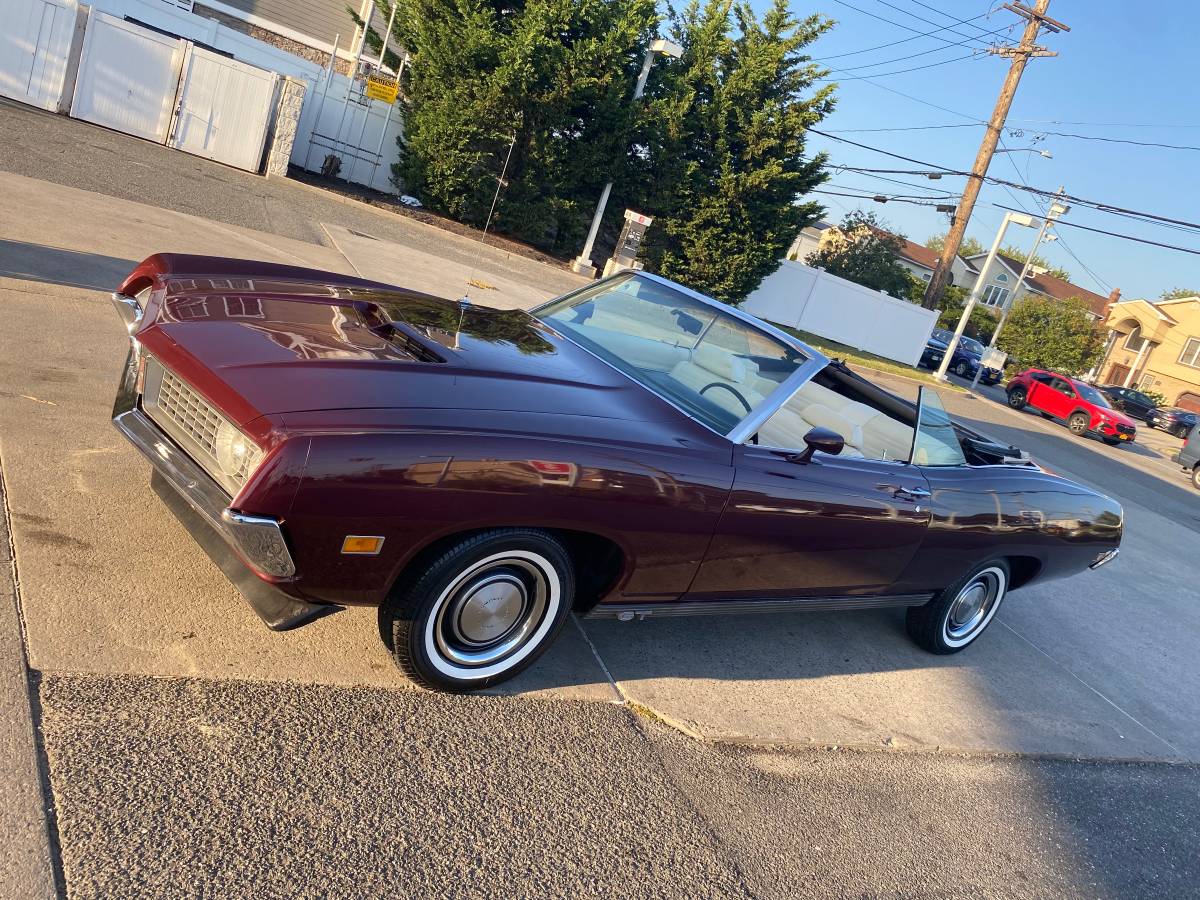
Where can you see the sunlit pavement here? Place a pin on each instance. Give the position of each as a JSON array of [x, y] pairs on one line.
[[188, 747]]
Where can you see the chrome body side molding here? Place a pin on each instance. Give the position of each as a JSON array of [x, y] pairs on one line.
[[628, 611]]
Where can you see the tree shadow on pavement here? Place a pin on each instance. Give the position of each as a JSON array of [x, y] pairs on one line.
[[57, 265]]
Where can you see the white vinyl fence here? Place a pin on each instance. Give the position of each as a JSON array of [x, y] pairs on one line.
[[35, 42], [337, 119], [812, 300]]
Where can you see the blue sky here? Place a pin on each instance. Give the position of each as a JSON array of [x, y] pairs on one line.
[[1122, 66]]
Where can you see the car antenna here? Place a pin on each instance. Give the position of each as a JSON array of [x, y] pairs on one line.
[[465, 300]]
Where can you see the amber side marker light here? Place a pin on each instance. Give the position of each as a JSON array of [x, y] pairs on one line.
[[362, 545]]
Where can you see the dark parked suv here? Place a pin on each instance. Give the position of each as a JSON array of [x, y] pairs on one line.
[[1172, 419], [1133, 403]]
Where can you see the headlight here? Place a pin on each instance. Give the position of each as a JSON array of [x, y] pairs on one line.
[[236, 454]]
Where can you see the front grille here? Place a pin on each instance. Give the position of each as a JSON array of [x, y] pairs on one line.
[[188, 411], [193, 424], [1124, 429]]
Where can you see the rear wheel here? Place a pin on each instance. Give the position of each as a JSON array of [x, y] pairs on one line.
[[959, 614], [1017, 398], [482, 611], [1196, 477], [1078, 423]]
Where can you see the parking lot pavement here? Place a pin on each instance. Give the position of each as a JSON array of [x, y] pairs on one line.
[[58, 150]]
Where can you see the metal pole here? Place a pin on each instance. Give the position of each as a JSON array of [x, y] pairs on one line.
[[386, 121], [1012, 298], [976, 291], [585, 257], [321, 103], [354, 72]]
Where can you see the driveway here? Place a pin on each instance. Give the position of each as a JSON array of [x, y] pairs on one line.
[[185, 745]]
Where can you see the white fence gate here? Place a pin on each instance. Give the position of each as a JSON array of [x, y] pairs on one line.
[[224, 109], [800, 296], [128, 76], [352, 131], [35, 41]]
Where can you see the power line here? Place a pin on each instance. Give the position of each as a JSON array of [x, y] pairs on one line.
[[954, 21], [908, 128], [1108, 124], [900, 24], [948, 16], [879, 198], [890, 43], [915, 55], [1093, 137], [901, 71], [1096, 204], [908, 184], [1127, 237]]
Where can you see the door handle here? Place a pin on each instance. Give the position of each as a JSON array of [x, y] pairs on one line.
[[908, 493]]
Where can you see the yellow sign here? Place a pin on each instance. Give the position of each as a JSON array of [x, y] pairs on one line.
[[382, 87]]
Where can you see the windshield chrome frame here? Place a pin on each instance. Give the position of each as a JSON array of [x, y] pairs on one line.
[[745, 429]]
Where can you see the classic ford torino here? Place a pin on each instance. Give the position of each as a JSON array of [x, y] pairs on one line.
[[631, 449]]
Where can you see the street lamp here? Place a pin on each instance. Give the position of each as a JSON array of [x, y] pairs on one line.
[[977, 290], [583, 263], [1046, 153], [1056, 209]]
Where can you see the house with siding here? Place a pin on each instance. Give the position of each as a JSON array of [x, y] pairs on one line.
[[307, 28], [1155, 346]]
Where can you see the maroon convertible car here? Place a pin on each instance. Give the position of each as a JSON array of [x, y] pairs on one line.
[[631, 449]]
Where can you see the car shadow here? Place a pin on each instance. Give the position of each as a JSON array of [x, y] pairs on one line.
[[58, 265]]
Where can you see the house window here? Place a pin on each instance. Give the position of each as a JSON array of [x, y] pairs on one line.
[[1191, 353], [1002, 278], [1135, 340], [994, 295], [1146, 383]]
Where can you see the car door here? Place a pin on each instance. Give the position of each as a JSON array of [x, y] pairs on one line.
[[1054, 396], [835, 526]]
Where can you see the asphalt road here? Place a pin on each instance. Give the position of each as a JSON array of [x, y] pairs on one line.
[[181, 787], [189, 752]]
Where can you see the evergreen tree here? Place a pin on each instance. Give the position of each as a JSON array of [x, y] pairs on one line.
[[720, 151], [550, 78]]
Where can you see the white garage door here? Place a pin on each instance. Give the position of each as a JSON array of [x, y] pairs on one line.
[[224, 108], [35, 39], [128, 76]]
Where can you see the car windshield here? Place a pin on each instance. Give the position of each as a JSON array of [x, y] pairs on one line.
[[940, 334], [971, 345], [1090, 394], [711, 364]]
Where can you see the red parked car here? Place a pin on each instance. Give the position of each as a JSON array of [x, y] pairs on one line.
[[1080, 406], [631, 449]]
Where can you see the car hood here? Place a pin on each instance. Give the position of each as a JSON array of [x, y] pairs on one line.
[[1119, 418], [292, 346]]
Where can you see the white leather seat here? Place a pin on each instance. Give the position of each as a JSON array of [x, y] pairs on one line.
[[867, 431], [709, 364]]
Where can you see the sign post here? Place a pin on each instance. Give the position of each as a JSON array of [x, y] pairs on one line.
[[628, 244]]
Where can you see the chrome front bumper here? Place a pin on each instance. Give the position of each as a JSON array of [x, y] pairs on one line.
[[249, 547]]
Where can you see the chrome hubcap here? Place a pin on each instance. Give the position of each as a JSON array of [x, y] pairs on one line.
[[973, 606], [490, 611]]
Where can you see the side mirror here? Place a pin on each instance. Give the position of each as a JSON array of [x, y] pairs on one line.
[[819, 439]]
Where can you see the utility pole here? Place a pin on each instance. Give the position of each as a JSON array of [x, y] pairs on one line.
[[1035, 20]]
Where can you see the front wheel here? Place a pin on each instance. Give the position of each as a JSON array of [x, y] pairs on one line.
[[960, 613], [1017, 398], [1196, 477], [1182, 431], [961, 370], [1078, 423], [482, 611]]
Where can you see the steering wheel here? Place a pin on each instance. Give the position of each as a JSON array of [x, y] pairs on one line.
[[732, 390]]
